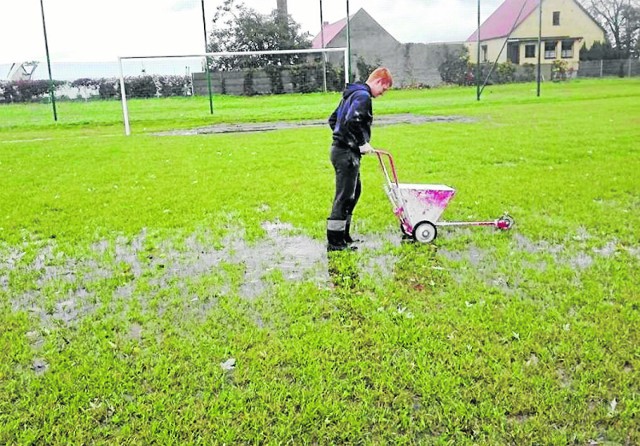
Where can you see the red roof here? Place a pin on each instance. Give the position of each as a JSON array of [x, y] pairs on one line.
[[504, 19], [330, 32]]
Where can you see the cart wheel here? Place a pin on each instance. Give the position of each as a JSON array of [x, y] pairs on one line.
[[425, 232], [505, 223]]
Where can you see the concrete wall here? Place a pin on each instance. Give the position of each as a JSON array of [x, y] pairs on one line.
[[411, 64], [417, 63]]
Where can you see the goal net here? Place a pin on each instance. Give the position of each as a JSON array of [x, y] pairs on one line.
[[210, 74]]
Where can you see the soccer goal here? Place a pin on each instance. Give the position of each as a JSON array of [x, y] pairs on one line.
[[149, 65]]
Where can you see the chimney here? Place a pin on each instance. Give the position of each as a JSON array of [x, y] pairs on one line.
[[282, 8]]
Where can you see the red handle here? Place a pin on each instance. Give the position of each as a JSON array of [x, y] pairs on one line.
[[380, 154]]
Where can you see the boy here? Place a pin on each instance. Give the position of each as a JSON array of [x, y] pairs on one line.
[[351, 125]]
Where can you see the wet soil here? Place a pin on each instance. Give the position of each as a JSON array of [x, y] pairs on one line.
[[382, 120]]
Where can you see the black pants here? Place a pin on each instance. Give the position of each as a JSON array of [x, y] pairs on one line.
[[348, 187]]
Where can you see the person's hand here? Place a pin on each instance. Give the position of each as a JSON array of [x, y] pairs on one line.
[[366, 148]]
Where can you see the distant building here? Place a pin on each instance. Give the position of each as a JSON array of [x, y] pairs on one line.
[[511, 33], [410, 63]]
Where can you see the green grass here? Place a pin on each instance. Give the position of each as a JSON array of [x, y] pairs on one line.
[[131, 268]]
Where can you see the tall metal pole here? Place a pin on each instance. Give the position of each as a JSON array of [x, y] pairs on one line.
[[478, 54], [629, 36], [206, 59], [46, 47], [539, 45], [324, 55], [348, 67]]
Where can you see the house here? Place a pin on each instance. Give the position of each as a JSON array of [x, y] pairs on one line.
[[410, 63], [511, 33]]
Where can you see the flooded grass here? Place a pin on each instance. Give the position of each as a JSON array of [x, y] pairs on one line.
[[178, 290]]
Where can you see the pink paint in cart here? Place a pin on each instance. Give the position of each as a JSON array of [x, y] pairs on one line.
[[418, 207]]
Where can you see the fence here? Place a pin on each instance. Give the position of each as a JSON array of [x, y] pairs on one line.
[[302, 79], [607, 68], [79, 82]]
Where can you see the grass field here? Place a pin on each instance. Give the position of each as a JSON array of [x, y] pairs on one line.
[[176, 289]]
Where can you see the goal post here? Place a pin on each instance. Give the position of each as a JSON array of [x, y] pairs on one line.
[[206, 56]]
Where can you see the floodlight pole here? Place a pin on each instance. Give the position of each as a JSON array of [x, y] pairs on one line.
[[539, 47], [324, 56], [46, 47], [348, 67], [206, 60], [478, 57]]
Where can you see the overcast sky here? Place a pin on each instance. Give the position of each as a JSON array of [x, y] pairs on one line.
[[102, 30]]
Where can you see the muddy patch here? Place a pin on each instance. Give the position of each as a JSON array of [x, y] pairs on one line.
[[404, 118]]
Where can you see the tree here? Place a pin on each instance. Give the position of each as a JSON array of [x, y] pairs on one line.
[[239, 28], [455, 68], [599, 51], [621, 21]]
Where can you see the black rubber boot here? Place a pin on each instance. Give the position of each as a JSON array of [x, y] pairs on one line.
[[347, 232], [347, 237], [336, 242]]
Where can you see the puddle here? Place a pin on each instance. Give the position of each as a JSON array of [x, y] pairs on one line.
[[282, 254], [404, 118], [581, 261], [39, 366], [135, 332], [199, 269]]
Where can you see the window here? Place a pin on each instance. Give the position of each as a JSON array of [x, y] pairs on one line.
[[556, 18], [529, 51], [567, 49], [550, 49], [484, 53]]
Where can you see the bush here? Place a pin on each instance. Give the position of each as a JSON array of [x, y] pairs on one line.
[[485, 69], [174, 86], [559, 70], [85, 82], [306, 78], [335, 78], [108, 88], [247, 86], [275, 76], [140, 87], [455, 69], [600, 51], [27, 90], [365, 69], [505, 73], [527, 74]]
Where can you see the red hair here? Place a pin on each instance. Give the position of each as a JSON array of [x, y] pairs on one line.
[[383, 74]]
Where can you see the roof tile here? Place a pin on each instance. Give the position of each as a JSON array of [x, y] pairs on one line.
[[504, 19]]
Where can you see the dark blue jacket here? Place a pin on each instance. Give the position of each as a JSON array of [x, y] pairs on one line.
[[351, 121]]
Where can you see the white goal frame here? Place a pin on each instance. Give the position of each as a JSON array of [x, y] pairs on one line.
[[123, 95]]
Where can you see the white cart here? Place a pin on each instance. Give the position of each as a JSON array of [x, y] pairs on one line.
[[419, 206]]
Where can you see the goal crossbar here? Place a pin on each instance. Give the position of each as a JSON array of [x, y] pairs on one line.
[[123, 95]]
